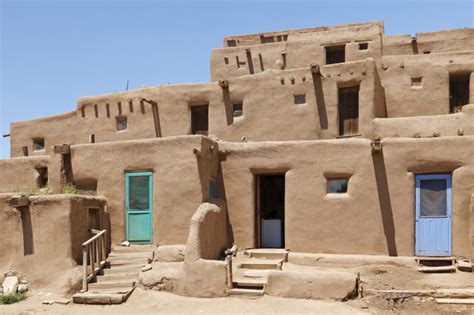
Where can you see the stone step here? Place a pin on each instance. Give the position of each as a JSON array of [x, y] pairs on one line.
[[275, 264], [101, 298], [124, 259], [428, 269], [111, 285], [128, 262], [144, 255], [268, 253], [246, 292], [117, 277]]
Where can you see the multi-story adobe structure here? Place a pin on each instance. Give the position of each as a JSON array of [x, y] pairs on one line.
[[333, 139]]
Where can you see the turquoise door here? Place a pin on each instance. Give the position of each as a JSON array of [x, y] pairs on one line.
[[139, 207], [433, 215]]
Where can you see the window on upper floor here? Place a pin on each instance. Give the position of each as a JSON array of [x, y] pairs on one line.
[[300, 99], [458, 91], [335, 54], [38, 144], [237, 109], [363, 46], [337, 185], [200, 120], [121, 123]]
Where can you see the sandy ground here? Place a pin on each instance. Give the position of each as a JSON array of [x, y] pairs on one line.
[[156, 302]]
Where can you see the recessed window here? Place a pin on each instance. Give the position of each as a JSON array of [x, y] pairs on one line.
[[231, 43], [426, 52], [237, 109], [226, 60], [458, 91], [335, 54], [38, 144], [300, 99], [417, 82], [200, 120], [337, 185], [363, 46], [121, 123]]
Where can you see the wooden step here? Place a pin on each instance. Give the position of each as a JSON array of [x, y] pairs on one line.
[[268, 253], [246, 292], [111, 285], [275, 264], [428, 269]]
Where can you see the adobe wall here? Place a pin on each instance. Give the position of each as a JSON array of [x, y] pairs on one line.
[[19, 174], [378, 211], [301, 49], [427, 126], [270, 113], [429, 42], [177, 190], [403, 99], [43, 241]]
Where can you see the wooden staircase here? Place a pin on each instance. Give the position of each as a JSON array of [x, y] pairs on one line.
[[118, 279], [251, 269]]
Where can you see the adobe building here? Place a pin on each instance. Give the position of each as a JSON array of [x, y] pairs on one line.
[[338, 140]]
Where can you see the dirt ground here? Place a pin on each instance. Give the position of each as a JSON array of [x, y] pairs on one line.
[[373, 277]]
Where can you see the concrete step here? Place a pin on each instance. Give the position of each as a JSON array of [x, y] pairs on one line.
[[119, 277], [111, 285], [246, 292], [253, 263], [101, 298], [429, 269], [268, 253]]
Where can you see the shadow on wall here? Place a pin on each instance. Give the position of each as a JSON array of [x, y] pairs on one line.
[[320, 102], [27, 227], [385, 202]]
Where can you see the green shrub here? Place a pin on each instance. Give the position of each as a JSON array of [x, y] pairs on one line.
[[46, 190], [69, 189], [32, 190], [12, 298]]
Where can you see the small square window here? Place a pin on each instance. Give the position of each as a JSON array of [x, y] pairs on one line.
[[363, 46], [417, 82], [337, 185], [300, 99], [237, 109], [121, 123], [38, 144]]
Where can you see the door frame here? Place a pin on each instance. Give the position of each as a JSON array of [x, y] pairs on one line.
[[150, 198], [418, 179], [258, 215]]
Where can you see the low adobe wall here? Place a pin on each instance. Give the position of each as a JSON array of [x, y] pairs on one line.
[[19, 174], [44, 240], [376, 216], [205, 276]]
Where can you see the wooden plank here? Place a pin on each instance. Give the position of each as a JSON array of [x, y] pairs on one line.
[[440, 293], [437, 269], [455, 301]]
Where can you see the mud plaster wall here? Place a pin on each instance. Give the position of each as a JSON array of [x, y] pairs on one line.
[[432, 97], [426, 126], [43, 241], [270, 112], [432, 42], [177, 189], [19, 174], [378, 211], [301, 49], [205, 275]]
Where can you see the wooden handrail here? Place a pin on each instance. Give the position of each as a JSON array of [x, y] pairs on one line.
[[93, 252]]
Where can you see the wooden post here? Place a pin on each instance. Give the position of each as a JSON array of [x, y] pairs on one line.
[[84, 268], [228, 259]]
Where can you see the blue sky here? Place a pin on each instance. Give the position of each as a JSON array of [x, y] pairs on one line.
[[52, 52]]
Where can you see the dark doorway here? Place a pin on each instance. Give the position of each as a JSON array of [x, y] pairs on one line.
[[270, 210], [458, 92], [199, 120], [349, 111]]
